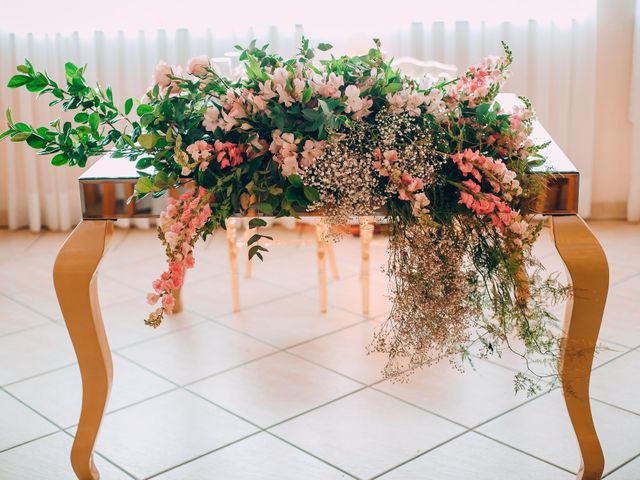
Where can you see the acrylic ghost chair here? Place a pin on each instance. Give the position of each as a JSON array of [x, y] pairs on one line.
[[324, 253]]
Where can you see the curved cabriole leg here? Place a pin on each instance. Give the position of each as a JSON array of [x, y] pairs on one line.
[[75, 282], [589, 273]]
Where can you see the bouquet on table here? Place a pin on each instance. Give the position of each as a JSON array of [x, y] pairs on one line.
[[344, 136]]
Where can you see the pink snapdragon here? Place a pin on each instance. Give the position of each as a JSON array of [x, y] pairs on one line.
[[179, 227], [229, 154]]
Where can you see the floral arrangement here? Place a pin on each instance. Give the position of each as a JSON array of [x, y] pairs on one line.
[[343, 136]]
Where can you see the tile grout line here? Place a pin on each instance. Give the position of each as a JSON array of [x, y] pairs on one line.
[[635, 457], [108, 460], [260, 428], [524, 452], [311, 454]]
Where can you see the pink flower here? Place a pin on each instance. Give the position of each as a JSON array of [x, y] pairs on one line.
[[168, 302], [198, 66], [152, 298], [162, 73], [200, 150], [211, 119]]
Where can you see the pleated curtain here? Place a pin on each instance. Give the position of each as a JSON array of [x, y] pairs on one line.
[[554, 66]]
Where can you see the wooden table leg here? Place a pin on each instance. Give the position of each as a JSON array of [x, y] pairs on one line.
[[74, 276], [589, 273]]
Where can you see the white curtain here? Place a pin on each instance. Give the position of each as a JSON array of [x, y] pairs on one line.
[[554, 66], [633, 206]]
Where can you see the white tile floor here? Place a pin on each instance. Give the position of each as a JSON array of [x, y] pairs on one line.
[[280, 391]]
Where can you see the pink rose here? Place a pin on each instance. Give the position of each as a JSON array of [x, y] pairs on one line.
[[198, 66], [161, 74]]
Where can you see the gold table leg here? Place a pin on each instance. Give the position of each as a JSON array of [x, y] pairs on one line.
[[589, 275], [74, 277]]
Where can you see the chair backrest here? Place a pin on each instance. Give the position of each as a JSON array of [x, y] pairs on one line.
[[426, 72]]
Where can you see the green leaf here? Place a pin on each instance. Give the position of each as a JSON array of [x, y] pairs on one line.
[[306, 96], [81, 117], [257, 222], [36, 141], [143, 108], [22, 127], [144, 185], [70, 69], [18, 80], [311, 194], [148, 140], [6, 133], [255, 251], [295, 180], [94, 120], [128, 105], [20, 137], [254, 238], [265, 208], [323, 47], [60, 159]]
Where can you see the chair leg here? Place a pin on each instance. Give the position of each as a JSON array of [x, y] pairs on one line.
[[322, 269], [248, 233], [366, 233], [74, 278], [233, 263], [589, 273], [331, 256]]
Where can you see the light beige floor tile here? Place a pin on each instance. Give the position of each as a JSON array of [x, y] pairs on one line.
[[47, 459], [476, 457], [630, 288], [542, 428], [34, 351], [15, 317], [48, 243], [296, 271], [44, 299], [19, 424], [630, 471], [41, 300], [258, 457], [347, 294], [211, 297], [15, 242], [24, 272], [469, 398], [152, 436], [346, 352], [124, 323], [367, 433], [616, 383], [621, 322], [274, 388], [289, 321], [193, 353], [63, 388]]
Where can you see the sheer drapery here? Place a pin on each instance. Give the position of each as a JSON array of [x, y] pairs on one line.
[[554, 66]]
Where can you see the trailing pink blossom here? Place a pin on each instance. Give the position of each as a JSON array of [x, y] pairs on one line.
[[179, 227]]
